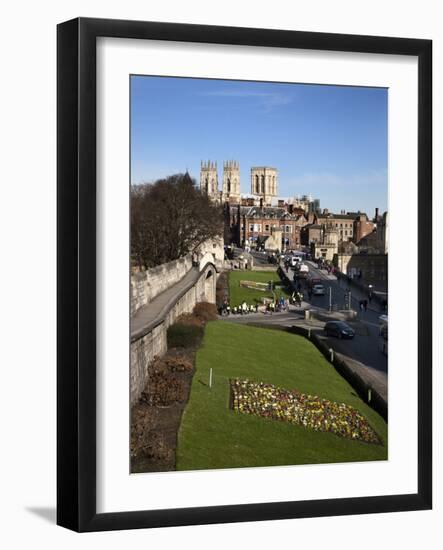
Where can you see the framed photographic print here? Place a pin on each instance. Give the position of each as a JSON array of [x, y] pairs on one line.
[[244, 274]]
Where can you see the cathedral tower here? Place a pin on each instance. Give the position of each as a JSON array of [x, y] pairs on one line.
[[231, 182], [264, 183], [209, 179]]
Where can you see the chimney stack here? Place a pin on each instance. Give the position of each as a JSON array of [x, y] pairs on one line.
[[376, 214]]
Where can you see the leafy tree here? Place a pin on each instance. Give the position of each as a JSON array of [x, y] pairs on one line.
[[169, 219]]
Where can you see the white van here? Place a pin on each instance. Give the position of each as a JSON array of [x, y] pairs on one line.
[[295, 261]]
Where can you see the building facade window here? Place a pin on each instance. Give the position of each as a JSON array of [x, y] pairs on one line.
[[266, 227]]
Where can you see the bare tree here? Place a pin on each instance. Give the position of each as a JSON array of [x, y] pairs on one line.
[[169, 219]]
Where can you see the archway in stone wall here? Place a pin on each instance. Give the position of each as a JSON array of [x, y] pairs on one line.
[[209, 288]]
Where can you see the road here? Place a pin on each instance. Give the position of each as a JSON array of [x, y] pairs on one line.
[[364, 347]]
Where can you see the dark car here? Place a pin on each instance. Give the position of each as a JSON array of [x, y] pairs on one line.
[[339, 329]]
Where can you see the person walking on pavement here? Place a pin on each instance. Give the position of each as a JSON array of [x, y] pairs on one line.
[[365, 305], [299, 299]]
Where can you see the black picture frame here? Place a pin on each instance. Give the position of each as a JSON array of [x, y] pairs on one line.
[[76, 265]]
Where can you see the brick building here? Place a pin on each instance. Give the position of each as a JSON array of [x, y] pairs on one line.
[[342, 223], [252, 225], [362, 227]]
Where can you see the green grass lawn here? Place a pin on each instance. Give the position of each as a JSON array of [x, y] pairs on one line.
[[212, 436], [237, 293]]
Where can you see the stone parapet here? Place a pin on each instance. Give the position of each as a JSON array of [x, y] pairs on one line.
[[145, 286]]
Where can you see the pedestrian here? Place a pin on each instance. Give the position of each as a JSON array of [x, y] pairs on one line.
[[361, 305], [298, 299], [370, 296], [365, 304], [256, 308]]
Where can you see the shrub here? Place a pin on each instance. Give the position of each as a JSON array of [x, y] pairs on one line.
[[149, 444], [172, 362], [184, 336], [190, 320], [179, 363], [205, 311], [164, 389], [222, 289]]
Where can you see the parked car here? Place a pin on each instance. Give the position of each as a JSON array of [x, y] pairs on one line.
[[339, 329], [318, 290]]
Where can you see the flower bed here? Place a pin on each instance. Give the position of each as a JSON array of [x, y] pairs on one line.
[[309, 411]]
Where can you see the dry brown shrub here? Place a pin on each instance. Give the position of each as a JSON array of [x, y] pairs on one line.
[[190, 320], [149, 444], [205, 311], [164, 389], [179, 363], [222, 289]]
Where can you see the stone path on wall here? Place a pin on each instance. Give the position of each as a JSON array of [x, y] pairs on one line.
[[153, 313]]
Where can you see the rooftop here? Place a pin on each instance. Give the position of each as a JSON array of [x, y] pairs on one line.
[[267, 212]]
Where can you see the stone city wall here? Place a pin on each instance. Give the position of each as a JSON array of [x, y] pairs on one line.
[[143, 352], [146, 285], [154, 343]]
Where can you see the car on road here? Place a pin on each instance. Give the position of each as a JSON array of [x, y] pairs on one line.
[[339, 329], [318, 290], [295, 261]]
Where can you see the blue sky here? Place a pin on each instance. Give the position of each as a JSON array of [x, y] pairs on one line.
[[329, 141]]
